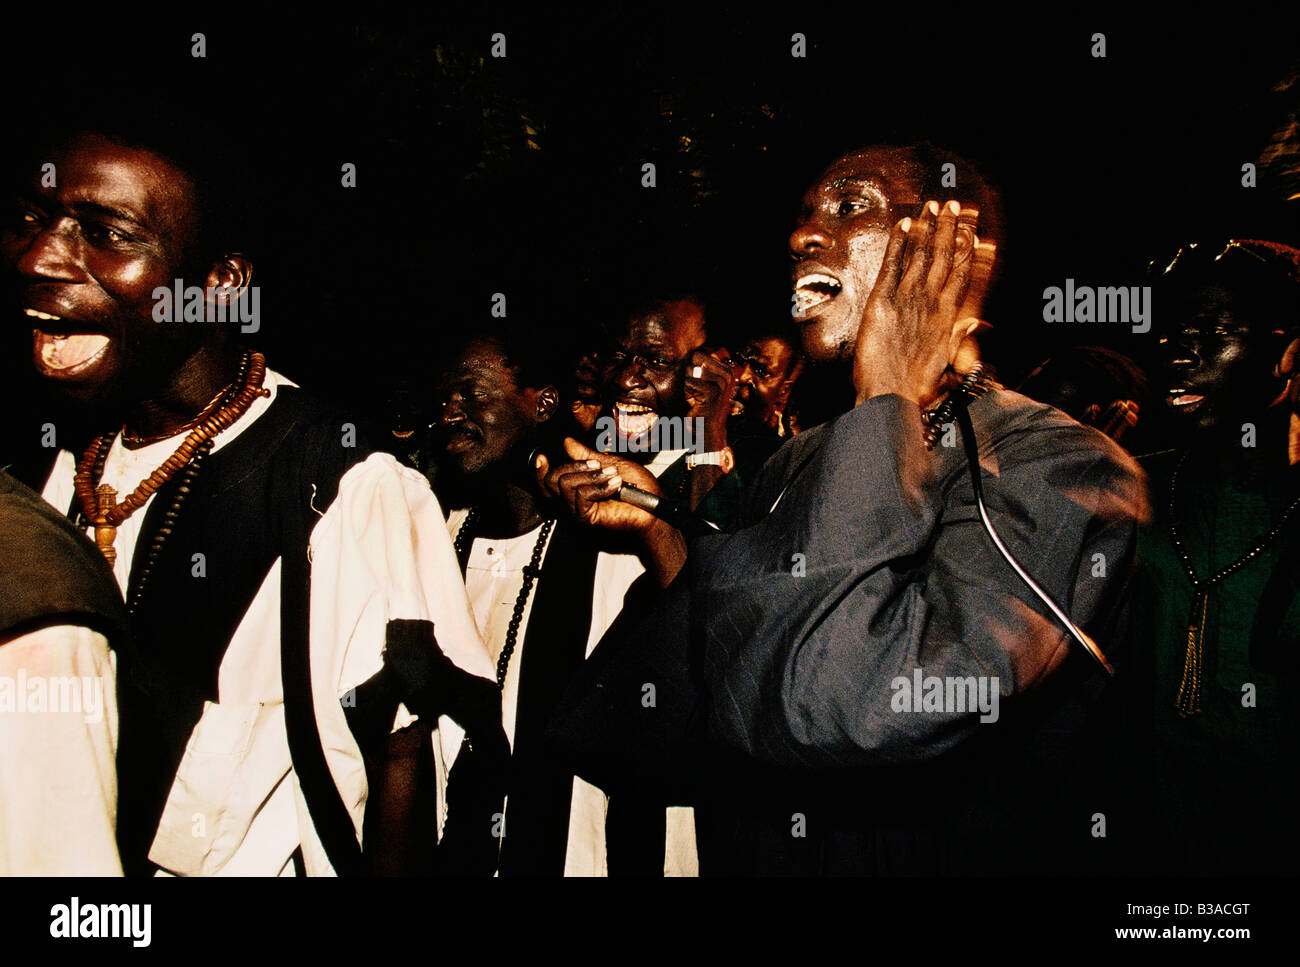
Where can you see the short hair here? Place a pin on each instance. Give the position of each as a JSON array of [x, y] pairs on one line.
[[528, 351], [1262, 276], [217, 162]]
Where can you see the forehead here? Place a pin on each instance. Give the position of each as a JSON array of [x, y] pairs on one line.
[[771, 352], [649, 329], [480, 358], [134, 181], [892, 170]]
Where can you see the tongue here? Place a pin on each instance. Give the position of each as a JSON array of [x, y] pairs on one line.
[[636, 424], [65, 352]]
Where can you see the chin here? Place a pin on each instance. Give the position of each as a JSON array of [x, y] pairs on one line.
[[823, 343]]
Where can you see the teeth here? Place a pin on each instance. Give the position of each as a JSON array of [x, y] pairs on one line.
[[805, 299], [812, 290], [817, 278], [43, 316], [634, 420]]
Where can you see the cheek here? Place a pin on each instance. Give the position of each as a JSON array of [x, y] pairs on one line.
[[866, 253]]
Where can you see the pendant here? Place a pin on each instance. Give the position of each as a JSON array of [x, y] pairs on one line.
[[1188, 702], [105, 500]]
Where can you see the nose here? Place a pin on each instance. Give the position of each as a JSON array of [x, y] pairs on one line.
[[808, 238], [745, 374], [1182, 351], [52, 254], [451, 412], [630, 374]]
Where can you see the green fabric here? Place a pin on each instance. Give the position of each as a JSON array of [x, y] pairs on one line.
[[720, 505], [1222, 796]]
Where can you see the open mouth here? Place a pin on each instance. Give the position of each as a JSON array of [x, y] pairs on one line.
[[633, 419], [812, 291], [61, 352], [1183, 400]]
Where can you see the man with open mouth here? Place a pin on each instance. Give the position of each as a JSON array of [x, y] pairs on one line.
[[279, 604], [1219, 581], [666, 405], [862, 562]]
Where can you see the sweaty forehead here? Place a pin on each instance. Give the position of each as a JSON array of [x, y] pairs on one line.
[[678, 326], [139, 184], [892, 169]]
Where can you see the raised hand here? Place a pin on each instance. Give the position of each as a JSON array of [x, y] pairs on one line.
[[924, 308], [709, 394]]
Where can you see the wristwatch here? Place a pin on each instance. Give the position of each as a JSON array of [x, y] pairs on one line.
[[723, 458]]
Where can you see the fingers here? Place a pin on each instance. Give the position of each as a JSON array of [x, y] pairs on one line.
[[543, 467], [891, 269], [583, 484], [966, 237], [577, 450], [945, 238], [920, 251], [709, 381], [981, 272]]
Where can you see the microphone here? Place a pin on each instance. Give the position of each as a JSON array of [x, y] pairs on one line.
[[665, 508]]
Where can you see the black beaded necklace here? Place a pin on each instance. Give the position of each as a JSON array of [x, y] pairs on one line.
[[975, 384], [532, 571], [1188, 702]]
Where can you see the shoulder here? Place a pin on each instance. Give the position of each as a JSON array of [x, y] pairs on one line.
[[1021, 433], [48, 568], [779, 468]]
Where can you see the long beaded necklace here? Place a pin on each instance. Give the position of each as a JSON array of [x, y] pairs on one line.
[[99, 504], [532, 571], [1188, 702]]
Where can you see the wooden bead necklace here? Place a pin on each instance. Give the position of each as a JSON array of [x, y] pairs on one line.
[[99, 504]]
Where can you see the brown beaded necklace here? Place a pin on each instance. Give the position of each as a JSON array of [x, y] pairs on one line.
[[99, 504]]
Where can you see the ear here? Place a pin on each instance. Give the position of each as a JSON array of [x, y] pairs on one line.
[[548, 398], [229, 278], [1286, 366]]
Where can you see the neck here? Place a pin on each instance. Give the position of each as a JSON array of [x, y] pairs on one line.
[[191, 388], [508, 511], [1276, 445]]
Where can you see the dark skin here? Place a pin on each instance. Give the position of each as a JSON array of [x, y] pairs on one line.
[[90, 251], [487, 425], [653, 363], [1222, 369], [765, 375], [907, 295], [902, 304]]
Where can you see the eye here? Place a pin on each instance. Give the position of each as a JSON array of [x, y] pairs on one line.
[[98, 232], [660, 363]]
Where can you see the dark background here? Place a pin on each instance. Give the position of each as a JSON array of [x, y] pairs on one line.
[[522, 175]]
